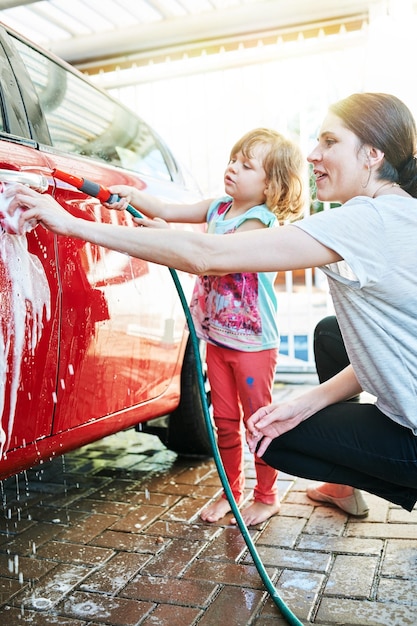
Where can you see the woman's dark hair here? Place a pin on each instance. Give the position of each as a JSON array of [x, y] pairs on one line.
[[384, 122]]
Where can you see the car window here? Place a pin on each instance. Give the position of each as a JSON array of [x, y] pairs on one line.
[[1, 112], [84, 120]]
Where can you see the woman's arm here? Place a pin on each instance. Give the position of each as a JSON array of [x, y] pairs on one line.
[[272, 249], [274, 420]]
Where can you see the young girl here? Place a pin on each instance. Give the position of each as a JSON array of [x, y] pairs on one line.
[[236, 314]]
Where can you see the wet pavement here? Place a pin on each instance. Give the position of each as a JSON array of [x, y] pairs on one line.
[[110, 535]]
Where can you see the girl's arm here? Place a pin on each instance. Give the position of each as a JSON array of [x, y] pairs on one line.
[[153, 207], [274, 420]]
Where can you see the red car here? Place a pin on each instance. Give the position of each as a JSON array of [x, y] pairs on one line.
[[92, 341]]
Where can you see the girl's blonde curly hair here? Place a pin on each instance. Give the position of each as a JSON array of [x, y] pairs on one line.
[[284, 167]]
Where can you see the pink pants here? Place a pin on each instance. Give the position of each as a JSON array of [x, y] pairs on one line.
[[241, 382]]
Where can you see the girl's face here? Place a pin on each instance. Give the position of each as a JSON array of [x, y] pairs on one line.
[[245, 178], [339, 162]]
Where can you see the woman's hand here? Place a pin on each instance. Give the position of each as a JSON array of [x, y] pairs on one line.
[[269, 422], [35, 208], [275, 420]]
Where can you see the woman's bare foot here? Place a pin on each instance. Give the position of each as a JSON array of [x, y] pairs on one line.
[[334, 490], [258, 512], [215, 511], [347, 498]]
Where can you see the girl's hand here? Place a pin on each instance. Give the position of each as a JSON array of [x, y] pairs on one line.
[[156, 222], [126, 194], [269, 422]]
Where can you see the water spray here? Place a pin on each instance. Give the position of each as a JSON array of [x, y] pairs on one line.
[[103, 194]]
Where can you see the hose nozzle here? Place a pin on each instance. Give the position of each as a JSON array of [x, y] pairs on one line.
[[92, 189]]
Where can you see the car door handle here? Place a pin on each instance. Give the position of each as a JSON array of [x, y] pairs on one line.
[[36, 181]]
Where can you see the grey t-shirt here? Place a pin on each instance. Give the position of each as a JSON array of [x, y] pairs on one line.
[[374, 291]]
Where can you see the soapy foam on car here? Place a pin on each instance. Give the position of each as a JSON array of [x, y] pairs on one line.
[[10, 223], [24, 302]]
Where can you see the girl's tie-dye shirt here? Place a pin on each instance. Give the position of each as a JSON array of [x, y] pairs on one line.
[[239, 310]]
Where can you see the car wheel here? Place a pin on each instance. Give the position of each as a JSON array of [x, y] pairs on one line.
[[187, 428]]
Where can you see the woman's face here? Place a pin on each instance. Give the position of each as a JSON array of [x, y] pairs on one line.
[[339, 163]]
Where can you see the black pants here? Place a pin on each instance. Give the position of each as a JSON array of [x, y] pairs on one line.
[[348, 443], [329, 349]]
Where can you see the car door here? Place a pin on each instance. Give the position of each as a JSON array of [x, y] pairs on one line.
[[30, 316], [122, 324]]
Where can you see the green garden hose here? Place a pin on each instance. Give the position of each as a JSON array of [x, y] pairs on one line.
[[286, 612]]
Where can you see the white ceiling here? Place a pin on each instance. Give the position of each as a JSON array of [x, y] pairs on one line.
[[94, 33]]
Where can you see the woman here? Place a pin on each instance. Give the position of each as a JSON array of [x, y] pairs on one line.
[[364, 159]]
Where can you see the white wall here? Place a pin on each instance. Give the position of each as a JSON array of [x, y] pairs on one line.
[[202, 105], [201, 115]]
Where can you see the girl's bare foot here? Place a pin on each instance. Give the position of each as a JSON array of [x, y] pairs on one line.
[[258, 512], [215, 511]]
